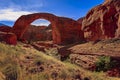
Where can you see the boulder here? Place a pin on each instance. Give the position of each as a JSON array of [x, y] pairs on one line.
[[103, 21], [9, 38]]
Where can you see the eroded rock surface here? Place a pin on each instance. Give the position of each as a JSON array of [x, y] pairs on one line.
[[103, 21], [5, 28], [38, 33], [9, 38]]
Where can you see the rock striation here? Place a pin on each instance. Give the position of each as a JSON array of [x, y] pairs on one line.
[[103, 21], [7, 36]]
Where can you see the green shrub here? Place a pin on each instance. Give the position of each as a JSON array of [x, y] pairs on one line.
[[104, 63]]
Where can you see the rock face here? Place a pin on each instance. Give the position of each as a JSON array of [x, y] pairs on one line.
[[5, 28], [70, 30], [9, 38], [64, 30], [80, 20], [38, 33], [103, 21]]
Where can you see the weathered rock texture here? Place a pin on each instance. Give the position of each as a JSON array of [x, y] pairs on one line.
[[103, 21], [8, 38], [64, 30], [80, 20], [11, 39], [38, 33], [5, 29]]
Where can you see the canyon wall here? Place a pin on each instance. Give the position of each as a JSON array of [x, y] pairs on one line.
[[102, 21]]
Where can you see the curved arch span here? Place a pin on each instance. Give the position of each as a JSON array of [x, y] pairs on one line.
[[64, 30]]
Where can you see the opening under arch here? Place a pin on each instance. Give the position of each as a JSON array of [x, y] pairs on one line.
[[39, 30], [41, 22]]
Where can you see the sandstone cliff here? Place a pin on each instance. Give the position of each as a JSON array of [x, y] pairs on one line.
[[103, 21]]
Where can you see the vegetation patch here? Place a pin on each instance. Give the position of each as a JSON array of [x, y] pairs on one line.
[[105, 63]]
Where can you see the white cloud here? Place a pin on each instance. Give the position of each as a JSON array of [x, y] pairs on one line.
[[11, 14], [41, 22]]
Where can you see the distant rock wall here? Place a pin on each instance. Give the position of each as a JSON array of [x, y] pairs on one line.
[[38, 33], [5, 29]]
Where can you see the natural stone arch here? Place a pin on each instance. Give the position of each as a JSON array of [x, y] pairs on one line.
[[22, 23], [64, 30]]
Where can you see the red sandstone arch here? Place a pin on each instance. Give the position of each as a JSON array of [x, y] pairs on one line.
[[64, 30]]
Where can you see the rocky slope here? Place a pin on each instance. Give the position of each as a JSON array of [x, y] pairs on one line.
[[87, 53], [23, 62]]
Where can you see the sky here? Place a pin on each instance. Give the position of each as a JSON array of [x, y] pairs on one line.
[[11, 10]]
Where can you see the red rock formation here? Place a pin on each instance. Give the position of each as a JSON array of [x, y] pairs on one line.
[[9, 38], [37, 33], [70, 30], [64, 30], [103, 21], [5, 28], [80, 20]]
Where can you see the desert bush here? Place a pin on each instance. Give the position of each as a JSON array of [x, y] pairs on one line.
[[11, 72], [104, 63]]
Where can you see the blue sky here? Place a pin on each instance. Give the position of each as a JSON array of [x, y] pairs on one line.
[[10, 10]]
